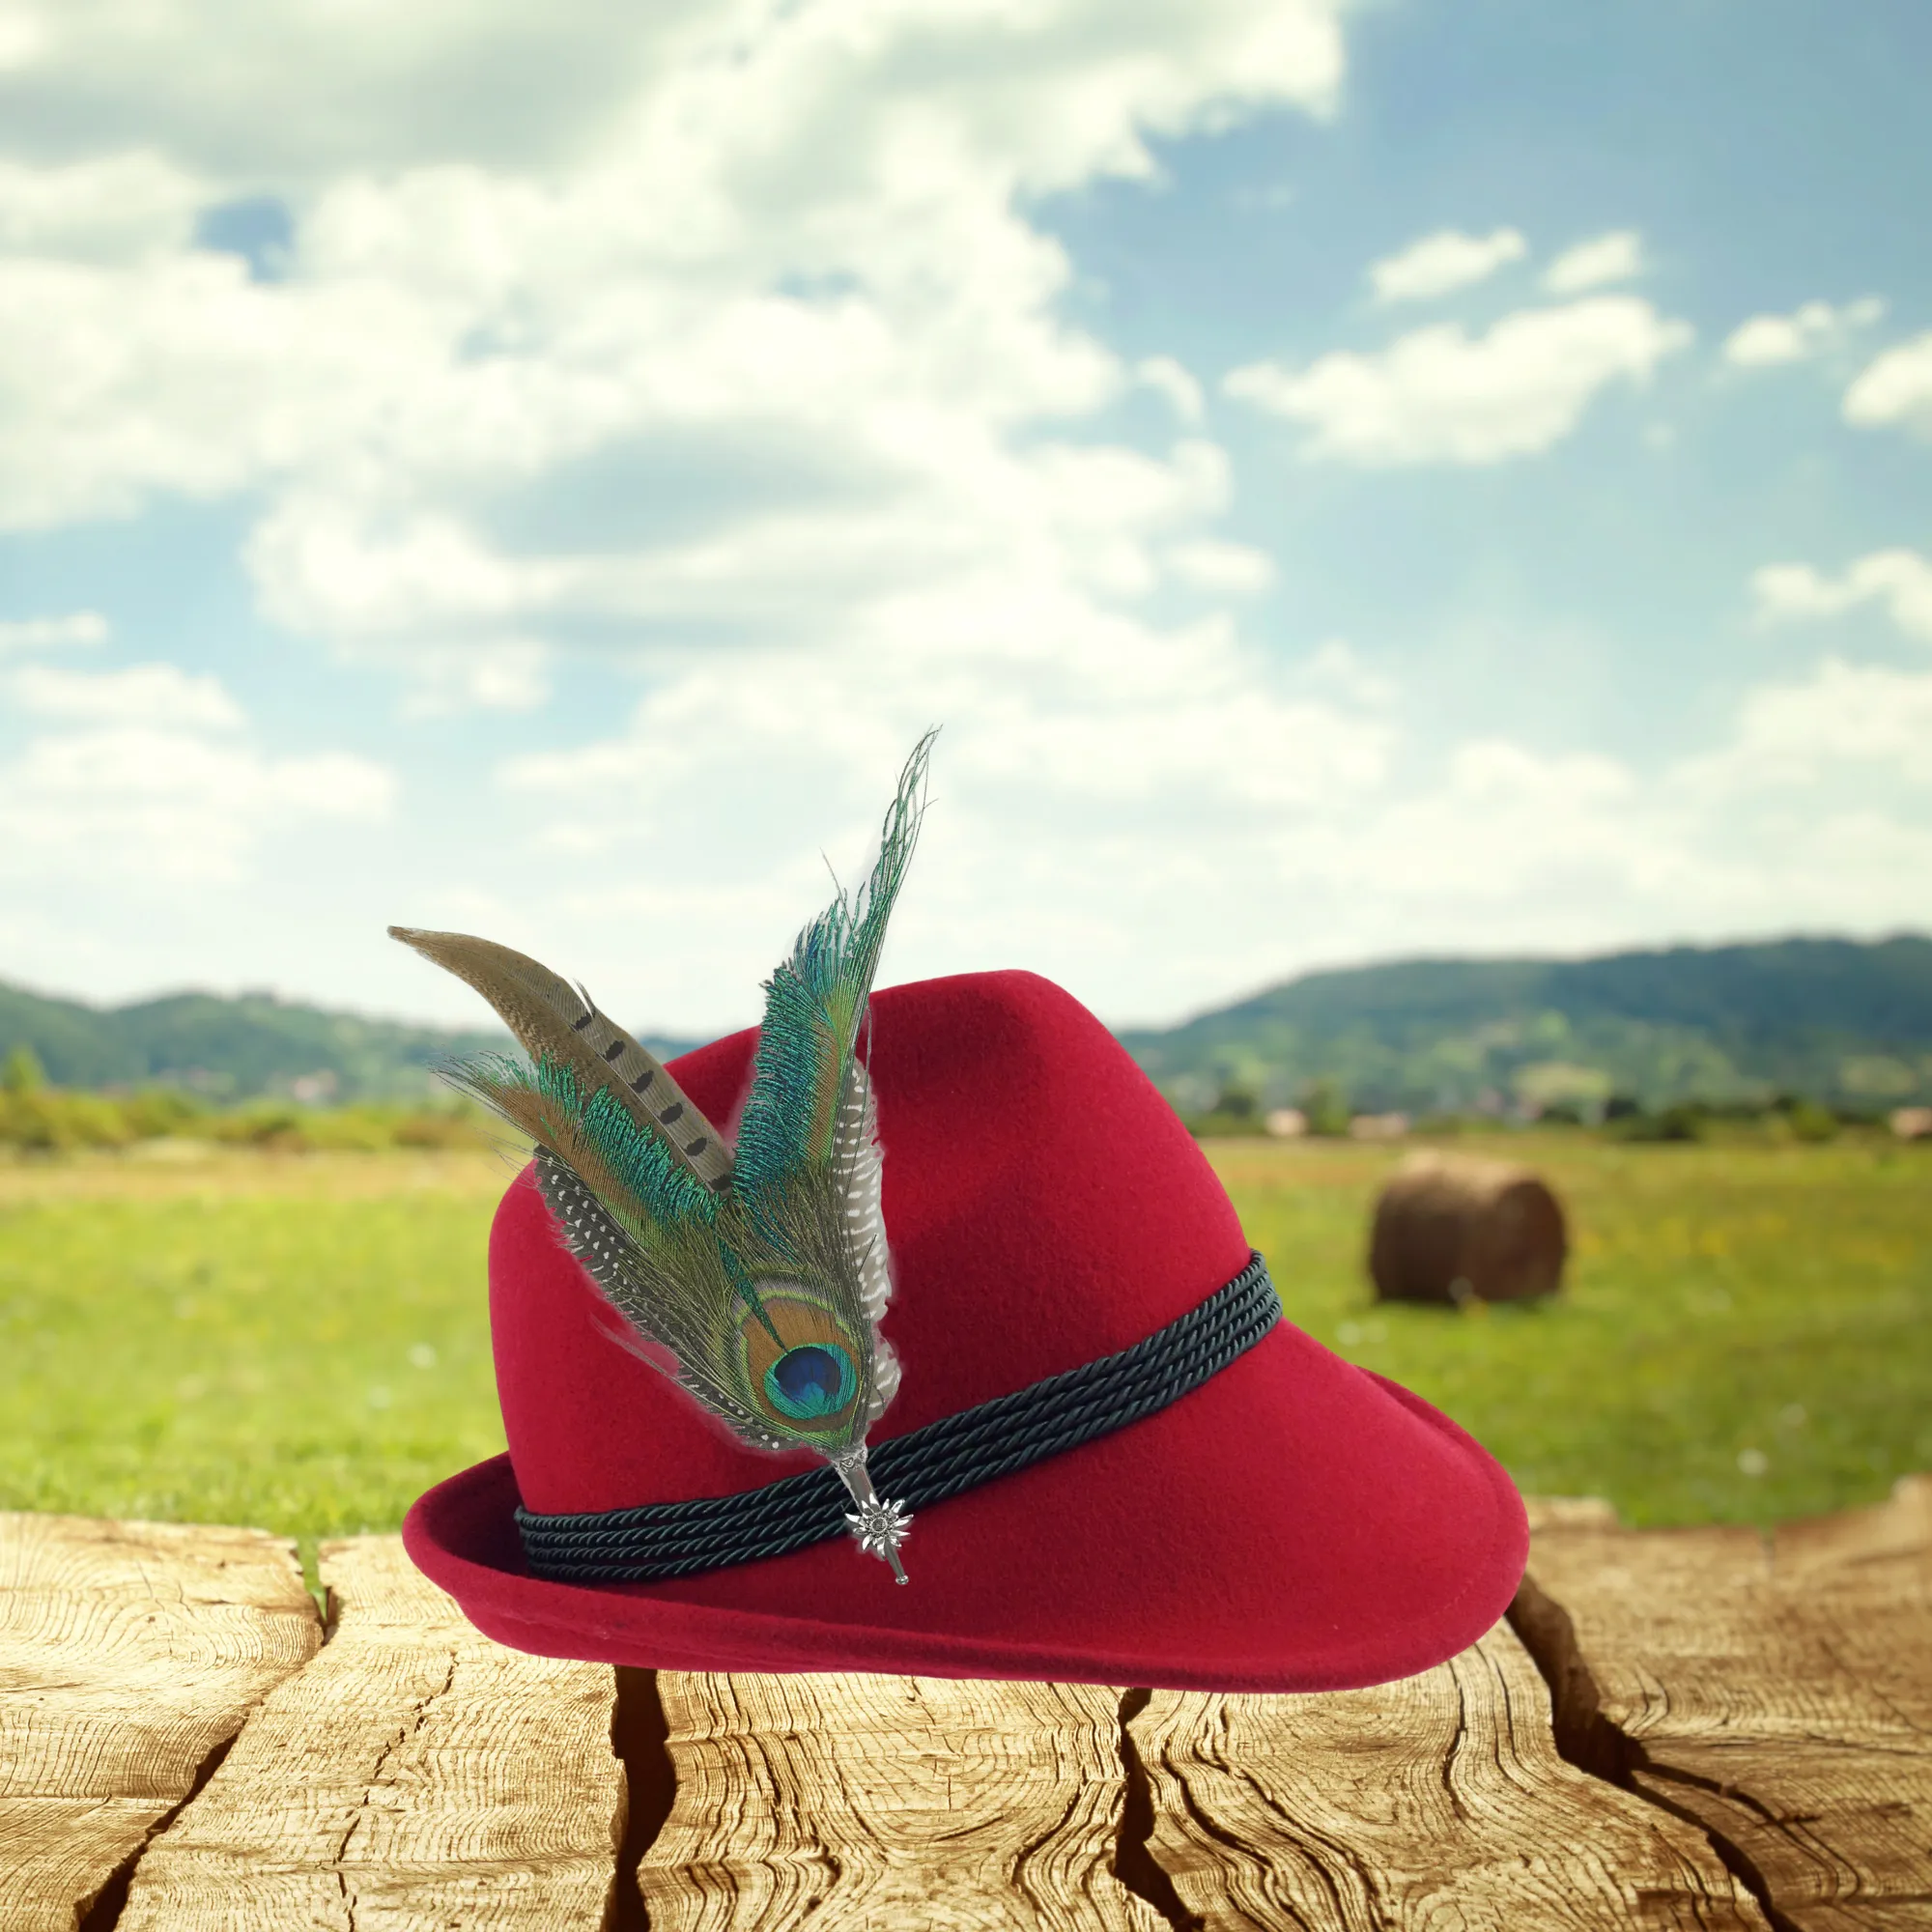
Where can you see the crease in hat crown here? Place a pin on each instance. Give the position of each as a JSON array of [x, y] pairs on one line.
[[756, 1275]]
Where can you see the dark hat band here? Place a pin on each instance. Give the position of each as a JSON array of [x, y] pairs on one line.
[[957, 1452]]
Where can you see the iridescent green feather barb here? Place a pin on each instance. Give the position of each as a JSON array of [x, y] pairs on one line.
[[761, 1271]]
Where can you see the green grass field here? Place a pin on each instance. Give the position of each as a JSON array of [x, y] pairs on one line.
[[301, 1341], [1744, 1333]]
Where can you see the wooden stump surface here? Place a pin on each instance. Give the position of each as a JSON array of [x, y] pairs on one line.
[[129, 1654], [415, 1774], [1777, 1689], [1740, 1739], [916, 1802], [1436, 1801]]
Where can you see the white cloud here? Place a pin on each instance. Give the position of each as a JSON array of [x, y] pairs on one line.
[[1442, 262], [158, 695], [1896, 387], [1213, 565], [112, 208], [491, 336], [34, 634], [517, 83], [1176, 383], [529, 88], [1809, 331], [1866, 719], [161, 805], [1615, 257], [1441, 396], [22, 39], [1807, 812], [149, 779], [1335, 668], [727, 336], [1899, 579], [1159, 817], [505, 675], [1155, 757]]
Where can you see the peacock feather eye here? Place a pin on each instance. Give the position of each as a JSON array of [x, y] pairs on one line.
[[803, 1371], [814, 1381]]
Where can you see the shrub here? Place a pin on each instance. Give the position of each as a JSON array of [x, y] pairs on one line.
[[1327, 1108], [456, 1128], [156, 1112], [24, 1072], [1684, 1121], [274, 1129], [1238, 1103], [43, 1120], [92, 1120], [1809, 1122], [34, 1121]]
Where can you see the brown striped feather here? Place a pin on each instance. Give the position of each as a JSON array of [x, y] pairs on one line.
[[550, 1016]]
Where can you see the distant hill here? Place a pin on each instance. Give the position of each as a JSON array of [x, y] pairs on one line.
[[1841, 1021], [236, 1048]]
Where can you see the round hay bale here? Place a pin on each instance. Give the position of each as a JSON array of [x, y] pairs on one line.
[[1452, 1228]]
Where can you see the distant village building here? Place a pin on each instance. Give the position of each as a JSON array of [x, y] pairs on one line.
[[1912, 1124], [1286, 1124], [1379, 1127]]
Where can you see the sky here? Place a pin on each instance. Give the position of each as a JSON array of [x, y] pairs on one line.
[[1350, 481]]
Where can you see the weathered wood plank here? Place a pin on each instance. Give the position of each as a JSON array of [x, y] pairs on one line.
[[890, 1802], [415, 1774], [1778, 1689], [1439, 1801], [130, 1652]]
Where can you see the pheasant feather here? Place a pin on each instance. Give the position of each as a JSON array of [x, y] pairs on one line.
[[554, 1020], [757, 1278]]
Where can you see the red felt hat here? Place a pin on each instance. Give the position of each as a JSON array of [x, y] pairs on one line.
[[1291, 1523]]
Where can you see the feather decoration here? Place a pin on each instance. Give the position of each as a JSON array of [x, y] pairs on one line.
[[814, 1005], [555, 1020], [763, 1273]]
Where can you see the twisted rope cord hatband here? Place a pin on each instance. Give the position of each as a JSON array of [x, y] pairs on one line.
[[920, 1468]]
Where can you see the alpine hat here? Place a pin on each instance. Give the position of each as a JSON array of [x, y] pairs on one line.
[[1234, 1509]]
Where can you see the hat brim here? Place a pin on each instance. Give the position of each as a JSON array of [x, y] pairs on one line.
[[1322, 1570]]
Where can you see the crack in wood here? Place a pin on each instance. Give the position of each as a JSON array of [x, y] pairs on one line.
[[639, 1739], [131, 1657], [1584, 1735], [104, 1913], [862, 1799], [1134, 1862], [1431, 1801], [415, 1774], [1599, 1747], [409, 1729], [1459, 1796], [1775, 1690]]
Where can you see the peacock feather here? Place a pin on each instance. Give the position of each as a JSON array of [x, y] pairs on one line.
[[757, 1277]]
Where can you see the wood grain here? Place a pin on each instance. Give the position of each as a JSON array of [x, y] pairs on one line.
[[1439, 1801], [1780, 1690], [855, 1801], [130, 1654], [415, 1774]]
